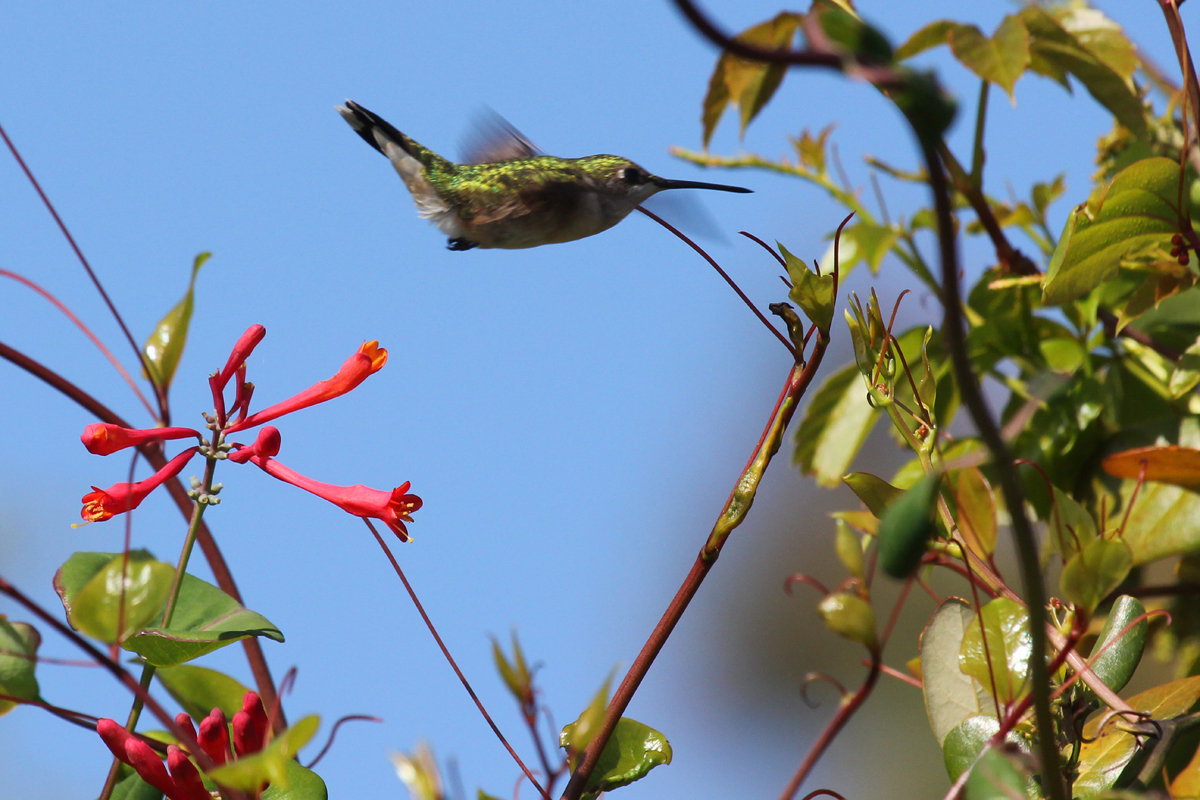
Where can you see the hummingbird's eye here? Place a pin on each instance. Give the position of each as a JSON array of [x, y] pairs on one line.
[[633, 176]]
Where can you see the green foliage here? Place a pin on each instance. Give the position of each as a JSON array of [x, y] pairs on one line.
[[1118, 651], [1002, 665], [19, 643], [205, 618], [633, 750], [907, 526], [834, 427], [850, 616], [165, 346], [199, 689], [951, 695]]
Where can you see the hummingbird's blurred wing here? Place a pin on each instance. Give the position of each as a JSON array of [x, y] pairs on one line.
[[492, 138], [687, 213]]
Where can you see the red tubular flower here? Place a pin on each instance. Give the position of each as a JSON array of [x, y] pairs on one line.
[[249, 726], [188, 785], [103, 438], [393, 508], [114, 736], [214, 736], [241, 351], [185, 722], [266, 445], [369, 359], [146, 762], [102, 504]]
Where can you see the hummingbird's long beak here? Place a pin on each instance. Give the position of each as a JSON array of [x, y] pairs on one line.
[[663, 183]]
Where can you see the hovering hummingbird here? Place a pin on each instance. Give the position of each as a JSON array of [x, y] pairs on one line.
[[515, 197]]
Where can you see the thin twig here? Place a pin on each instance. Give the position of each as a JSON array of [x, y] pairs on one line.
[[159, 391], [724, 275], [453, 665]]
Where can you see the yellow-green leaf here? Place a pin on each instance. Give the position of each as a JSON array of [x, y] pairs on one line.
[[850, 616], [1102, 760], [1002, 59], [1006, 657], [835, 424], [632, 751], [165, 346], [975, 507], [1093, 572], [419, 772]]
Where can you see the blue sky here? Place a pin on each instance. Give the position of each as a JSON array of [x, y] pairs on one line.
[[573, 415]]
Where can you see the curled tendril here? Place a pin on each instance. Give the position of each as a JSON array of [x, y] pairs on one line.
[[814, 677], [800, 577], [1112, 714], [819, 792], [333, 732]]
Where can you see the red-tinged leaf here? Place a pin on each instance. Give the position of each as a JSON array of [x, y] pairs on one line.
[[1163, 463], [976, 509]]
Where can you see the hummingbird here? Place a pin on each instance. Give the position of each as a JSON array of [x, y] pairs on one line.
[[515, 196]]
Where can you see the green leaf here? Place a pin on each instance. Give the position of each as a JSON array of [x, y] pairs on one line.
[[1100, 35], [576, 735], [951, 695], [876, 493], [205, 619], [812, 292], [964, 744], [130, 786], [748, 84], [865, 241], [1001, 59], [90, 586], [420, 773], [996, 777], [926, 105], [1186, 374], [271, 764], [301, 784], [19, 643], [1139, 209], [1055, 52], [974, 509], [1093, 572], [1118, 652], [1101, 761], [907, 526], [515, 675], [633, 750], [199, 690], [849, 549], [165, 346], [1006, 626], [1071, 526], [850, 616], [932, 35], [847, 30], [836, 422]]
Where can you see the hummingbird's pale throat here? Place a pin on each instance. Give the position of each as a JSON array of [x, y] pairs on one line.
[[518, 197]]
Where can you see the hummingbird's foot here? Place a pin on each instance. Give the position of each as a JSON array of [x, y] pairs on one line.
[[461, 244]]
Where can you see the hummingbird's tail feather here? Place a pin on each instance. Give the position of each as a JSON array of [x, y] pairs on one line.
[[384, 137], [413, 162]]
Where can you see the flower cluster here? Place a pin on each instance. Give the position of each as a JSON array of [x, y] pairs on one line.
[[179, 779], [394, 508]]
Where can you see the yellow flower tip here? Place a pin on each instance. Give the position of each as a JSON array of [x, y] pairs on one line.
[[375, 353]]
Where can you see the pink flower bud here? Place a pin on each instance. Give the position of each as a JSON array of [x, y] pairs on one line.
[[266, 445], [188, 785], [147, 764], [104, 438]]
